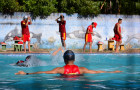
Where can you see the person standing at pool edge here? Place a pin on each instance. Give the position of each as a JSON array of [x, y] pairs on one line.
[[25, 32], [62, 30], [88, 36], [69, 69], [118, 36]]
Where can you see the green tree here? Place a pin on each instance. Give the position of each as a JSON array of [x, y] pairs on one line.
[[9, 6], [82, 7], [41, 8]]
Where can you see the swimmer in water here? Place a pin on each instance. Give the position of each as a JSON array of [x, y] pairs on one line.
[[69, 69], [21, 62]]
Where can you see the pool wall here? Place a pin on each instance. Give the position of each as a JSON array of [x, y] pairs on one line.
[[46, 30]]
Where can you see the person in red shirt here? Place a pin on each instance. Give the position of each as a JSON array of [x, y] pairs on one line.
[[118, 36], [88, 36], [25, 31], [62, 30], [70, 68]]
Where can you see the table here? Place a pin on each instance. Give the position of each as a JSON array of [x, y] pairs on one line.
[[111, 45], [3, 47], [100, 47], [122, 47], [18, 47]]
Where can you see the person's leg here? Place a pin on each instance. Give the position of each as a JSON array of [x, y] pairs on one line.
[[29, 46], [90, 47], [64, 44], [120, 42], [62, 41], [84, 47], [117, 45], [24, 44]]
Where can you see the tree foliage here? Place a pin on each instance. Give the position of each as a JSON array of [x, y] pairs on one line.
[[82, 7], [9, 6], [85, 8]]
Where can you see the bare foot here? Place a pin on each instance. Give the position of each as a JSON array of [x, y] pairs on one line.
[[24, 52], [29, 51], [83, 51], [116, 51]]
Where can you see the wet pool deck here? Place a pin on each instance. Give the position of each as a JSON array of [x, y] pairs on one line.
[[47, 51]]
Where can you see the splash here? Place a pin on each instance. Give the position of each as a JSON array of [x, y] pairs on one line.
[[34, 61], [58, 58]]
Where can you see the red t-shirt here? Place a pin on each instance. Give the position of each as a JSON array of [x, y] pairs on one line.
[[62, 28], [115, 29], [25, 29], [90, 29]]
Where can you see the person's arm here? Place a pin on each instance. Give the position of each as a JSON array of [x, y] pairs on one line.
[[57, 20], [118, 26], [26, 23], [54, 71], [29, 18], [85, 70], [54, 53], [89, 32]]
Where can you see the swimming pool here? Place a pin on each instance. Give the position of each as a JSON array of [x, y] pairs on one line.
[[128, 79]]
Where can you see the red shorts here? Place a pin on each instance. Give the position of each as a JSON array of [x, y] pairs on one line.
[[25, 38], [88, 37], [63, 36], [117, 37]]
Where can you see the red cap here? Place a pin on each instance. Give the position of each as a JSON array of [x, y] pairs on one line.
[[95, 24]]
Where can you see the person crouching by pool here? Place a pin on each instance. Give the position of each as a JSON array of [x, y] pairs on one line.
[[25, 32], [62, 30], [22, 63], [69, 69], [88, 36], [118, 36]]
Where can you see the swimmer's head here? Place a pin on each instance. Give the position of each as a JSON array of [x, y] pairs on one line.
[[27, 58], [69, 56]]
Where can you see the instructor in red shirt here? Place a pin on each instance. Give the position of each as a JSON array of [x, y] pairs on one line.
[[62, 30], [117, 34], [88, 36], [25, 31]]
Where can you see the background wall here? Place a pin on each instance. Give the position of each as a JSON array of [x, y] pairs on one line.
[[45, 31]]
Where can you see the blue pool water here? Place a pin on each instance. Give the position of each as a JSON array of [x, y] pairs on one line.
[[128, 79]]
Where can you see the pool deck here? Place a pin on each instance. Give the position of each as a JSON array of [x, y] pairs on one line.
[[47, 51]]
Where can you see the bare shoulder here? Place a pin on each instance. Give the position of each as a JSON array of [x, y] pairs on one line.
[[118, 25], [82, 69], [59, 70]]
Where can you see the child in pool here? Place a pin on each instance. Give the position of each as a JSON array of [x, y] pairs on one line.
[[70, 68], [21, 62]]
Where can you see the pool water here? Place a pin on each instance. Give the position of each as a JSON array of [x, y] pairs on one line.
[[128, 79]]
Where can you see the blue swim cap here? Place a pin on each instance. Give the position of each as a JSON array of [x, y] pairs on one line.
[[69, 55]]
